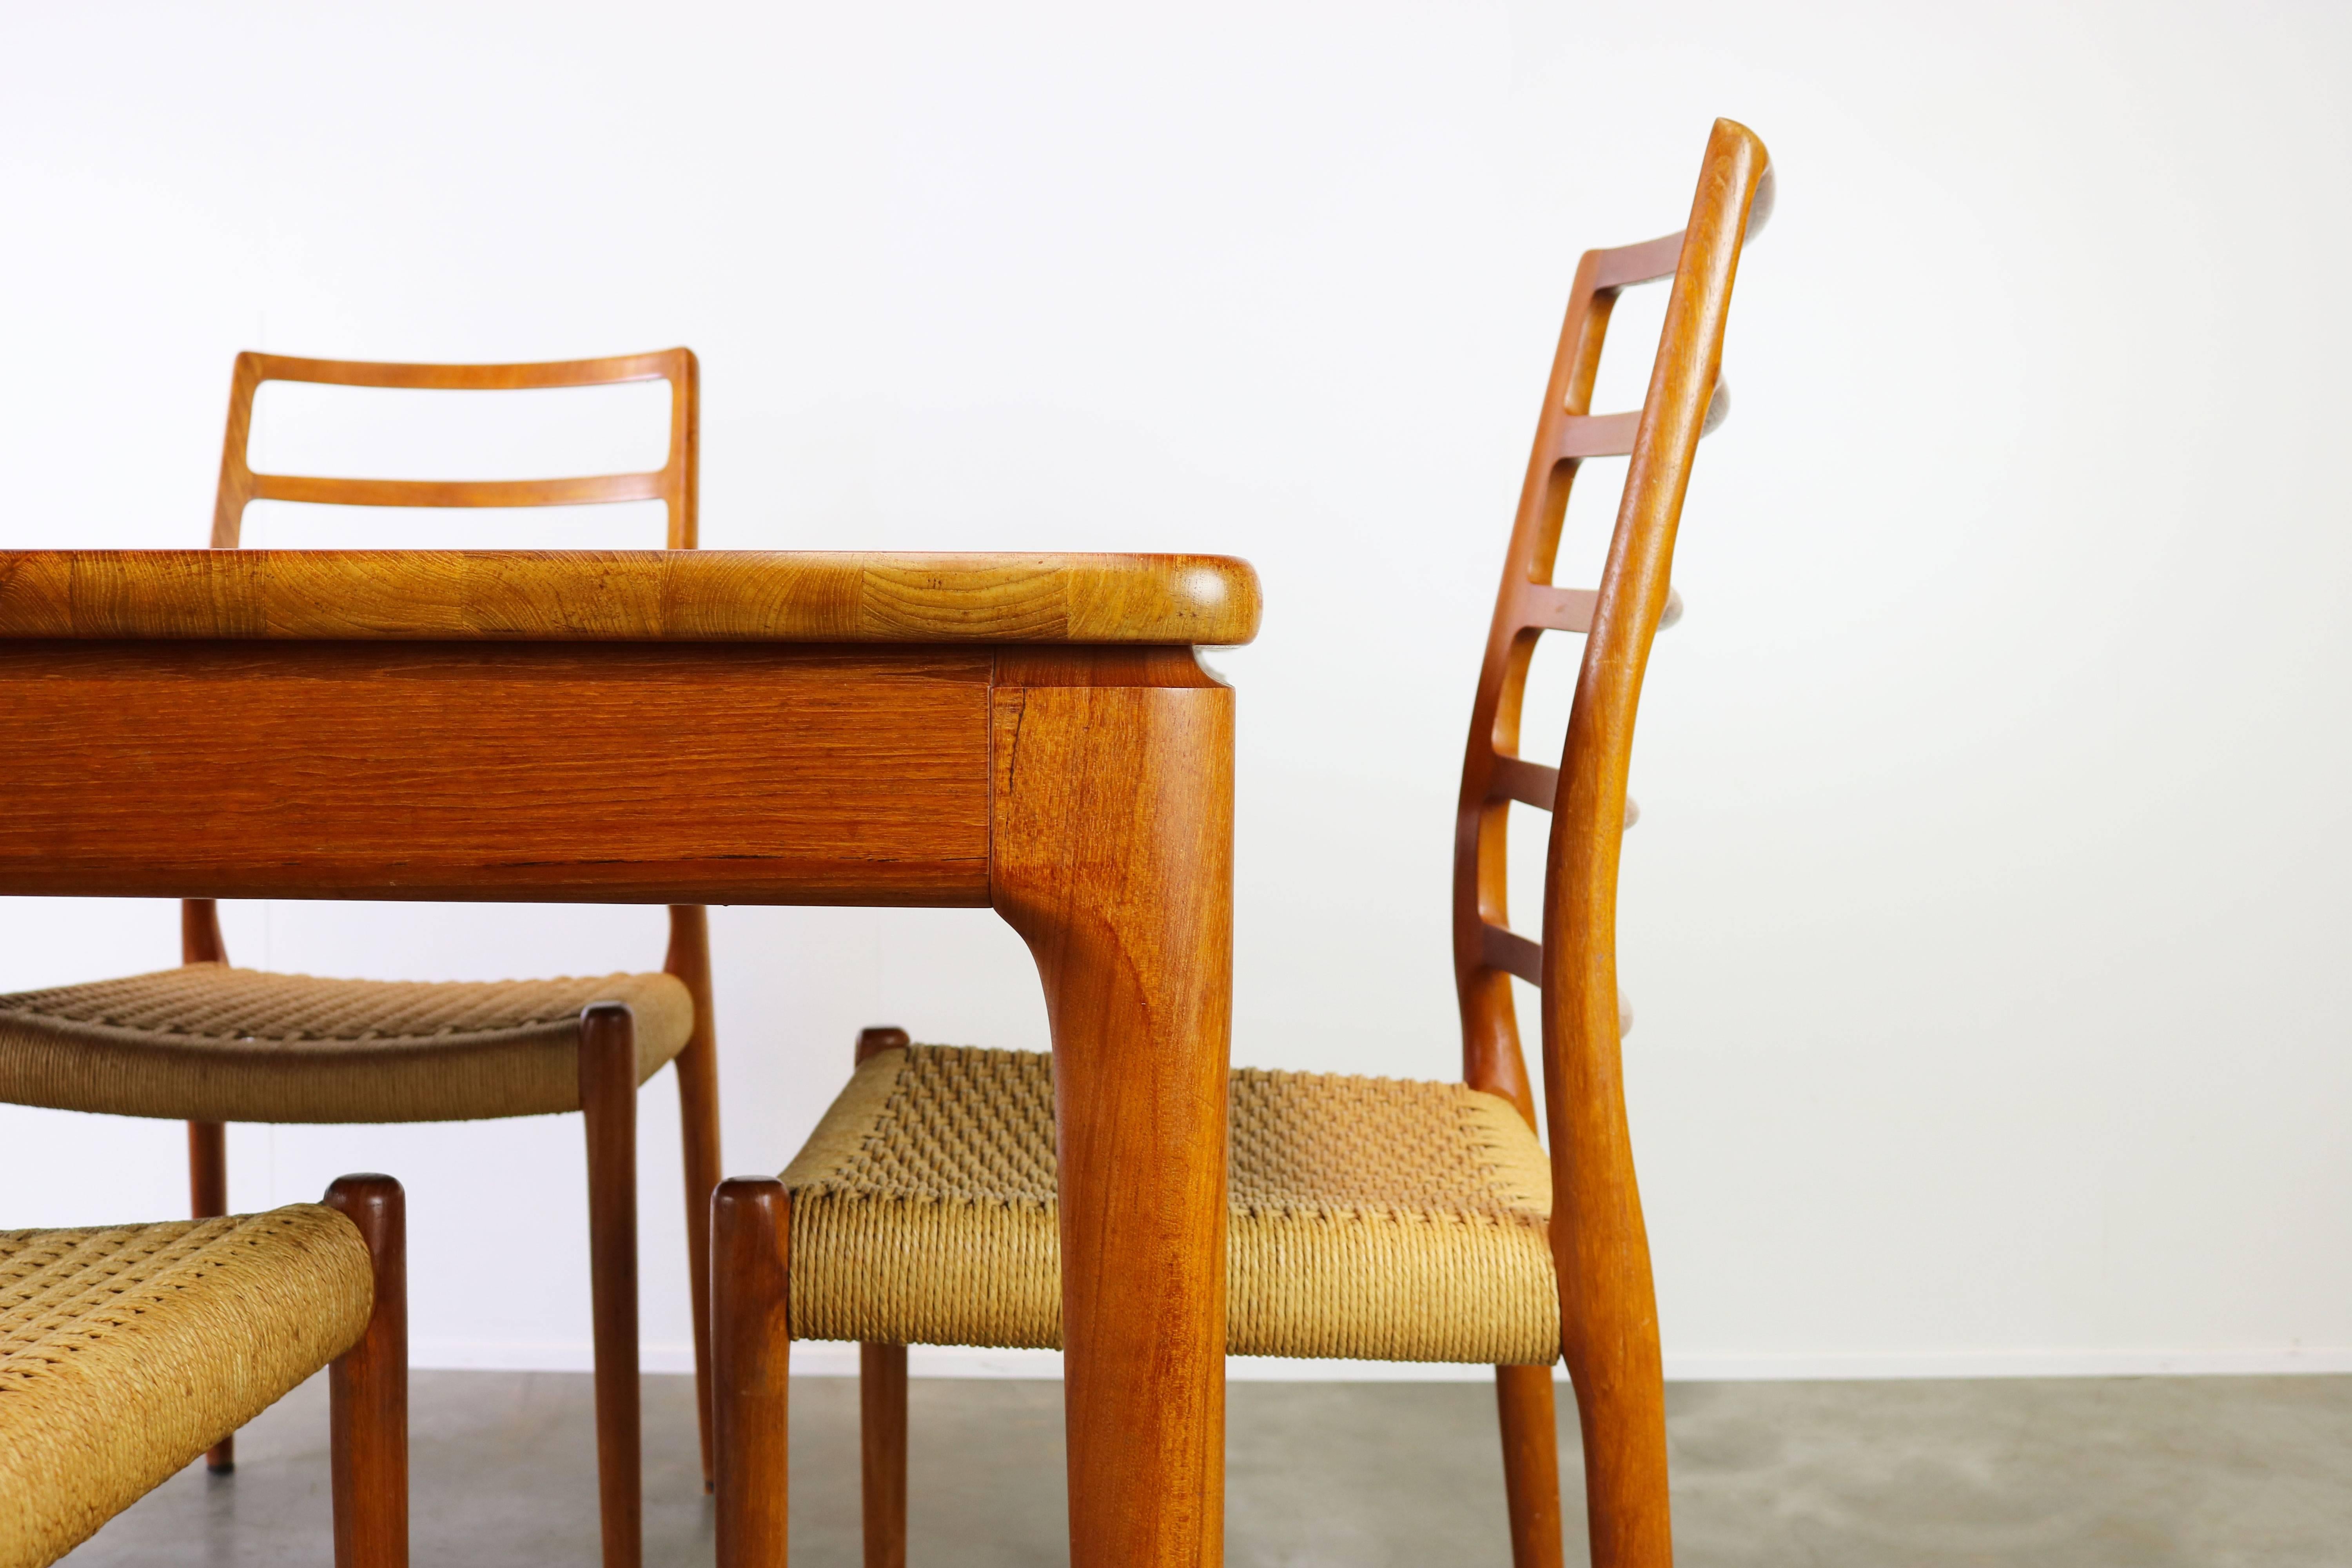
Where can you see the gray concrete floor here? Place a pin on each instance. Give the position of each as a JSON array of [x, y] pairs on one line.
[[2084, 1473]]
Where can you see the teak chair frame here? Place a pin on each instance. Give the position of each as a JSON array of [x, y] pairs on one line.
[[676, 483], [1609, 1328], [367, 1387], [607, 1052], [80, 1486]]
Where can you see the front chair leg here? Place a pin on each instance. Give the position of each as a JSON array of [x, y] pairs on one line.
[[882, 1430], [882, 1402], [367, 1388], [751, 1355], [1524, 1401], [608, 1098]]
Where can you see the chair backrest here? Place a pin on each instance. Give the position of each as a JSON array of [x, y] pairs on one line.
[[675, 482], [1609, 1315]]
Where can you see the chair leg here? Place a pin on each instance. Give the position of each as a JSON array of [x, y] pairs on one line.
[[200, 943], [1523, 1398], [882, 1403], [608, 1098], [751, 1353], [367, 1389], [882, 1431], [208, 1199], [698, 1109]]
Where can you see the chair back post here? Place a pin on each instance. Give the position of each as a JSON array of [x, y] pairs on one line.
[[685, 461], [1608, 1329], [236, 486]]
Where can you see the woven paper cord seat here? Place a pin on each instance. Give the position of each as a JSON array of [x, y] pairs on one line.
[[209, 1043], [1371, 1217], [127, 1350]]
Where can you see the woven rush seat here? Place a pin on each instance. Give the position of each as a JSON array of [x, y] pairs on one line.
[[1372, 1218], [210, 1042], [125, 1351]]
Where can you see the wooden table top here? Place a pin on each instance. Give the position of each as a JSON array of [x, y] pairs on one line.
[[628, 595]]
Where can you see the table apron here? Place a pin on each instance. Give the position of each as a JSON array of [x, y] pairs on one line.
[[572, 772]]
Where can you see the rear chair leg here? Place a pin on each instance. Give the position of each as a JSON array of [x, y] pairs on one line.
[[698, 1109], [751, 1354], [367, 1389], [1523, 1398], [208, 1199], [608, 1100], [200, 943]]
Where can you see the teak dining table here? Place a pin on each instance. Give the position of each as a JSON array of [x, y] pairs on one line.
[[1028, 733]]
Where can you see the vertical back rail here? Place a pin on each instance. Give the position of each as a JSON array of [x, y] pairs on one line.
[[1609, 1326]]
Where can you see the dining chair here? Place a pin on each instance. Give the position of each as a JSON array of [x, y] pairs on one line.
[[127, 1349], [1368, 1217], [210, 1044]]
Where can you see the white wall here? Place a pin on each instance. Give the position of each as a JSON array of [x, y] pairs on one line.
[[1986, 917]]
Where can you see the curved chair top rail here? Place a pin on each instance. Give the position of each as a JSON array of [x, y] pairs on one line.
[[1620, 617], [675, 483], [628, 595]]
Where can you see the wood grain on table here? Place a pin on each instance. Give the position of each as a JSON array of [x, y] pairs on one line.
[[627, 594]]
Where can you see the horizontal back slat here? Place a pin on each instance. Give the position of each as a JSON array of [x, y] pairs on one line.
[[585, 491], [1652, 261], [613, 370]]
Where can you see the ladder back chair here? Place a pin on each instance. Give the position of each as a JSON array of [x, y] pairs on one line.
[[126, 1349], [210, 1044], [1368, 1217], [1608, 1332]]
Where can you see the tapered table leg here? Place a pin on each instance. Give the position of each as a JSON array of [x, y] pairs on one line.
[[1113, 858]]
